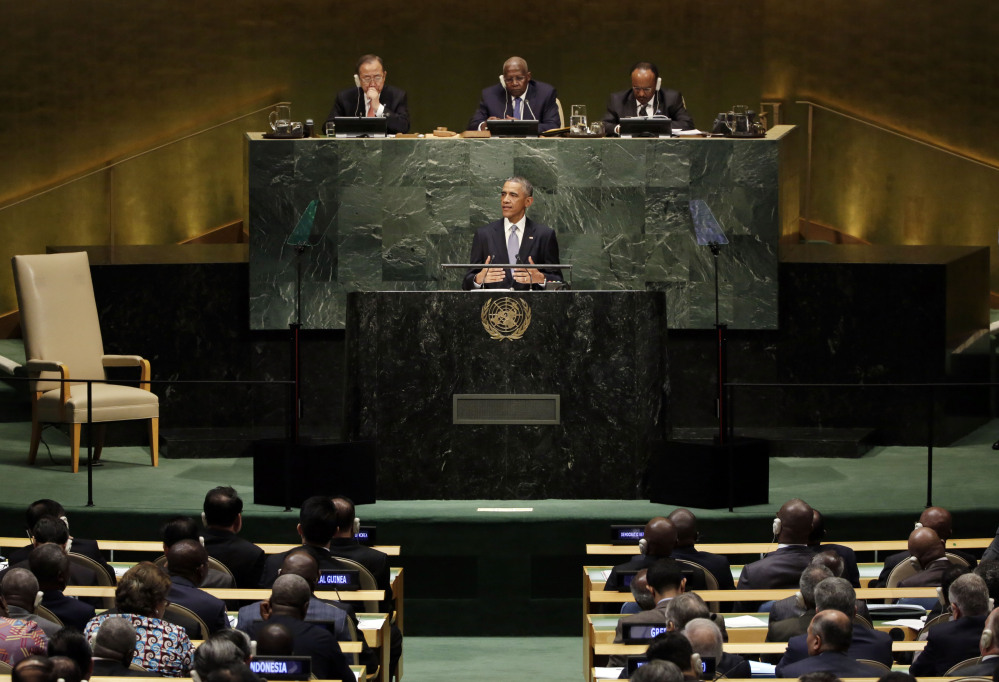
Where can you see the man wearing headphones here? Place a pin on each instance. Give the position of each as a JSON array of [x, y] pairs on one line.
[[937, 518], [646, 97], [988, 647], [960, 638], [665, 581], [223, 519], [929, 555], [20, 594], [658, 541], [783, 567]]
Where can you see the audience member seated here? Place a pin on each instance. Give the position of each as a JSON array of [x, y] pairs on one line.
[[184, 528], [786, 628], [836, 594], [665, 582], [237, 672], [706, 639], [789, 607], [19, 639], [50, 529], [50, 566], [685, 523], [275, 639], [19, 591], [114, 649], [316, 527], [640, 591], [187, 564], [685, 607], [288, 605], [657, 543], [850, 569], [676, 649], [73, 645], [989, 570], [927, 551], [957, 640], [829, 644], [141, 598], [344, 544], [988, 649], [223, 519], [937, 518], [45, 507], [658, 671], [216, 653], [782, 567], [65, 669], [942, 603]]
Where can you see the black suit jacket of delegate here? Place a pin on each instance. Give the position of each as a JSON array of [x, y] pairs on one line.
[[87, 548], [666, 102], [538, 243], [243, 558], [350, 102], [540, 104], [947, 644]]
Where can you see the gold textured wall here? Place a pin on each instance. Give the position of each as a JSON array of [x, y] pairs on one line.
[[86, 83]]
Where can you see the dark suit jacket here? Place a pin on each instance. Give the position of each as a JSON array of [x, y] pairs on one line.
[[947, 644], [273, 563], [496, 101], [785, 608], [375, 561], [243, 558], [867, 643], [538, 242], [780, 568], [105, 668], [931, 576], [328, 661], [733, 666], [982, 669], [71, 612], [842, 665], [210, 609], [783, 630], [716, 564], [894, 560], [350, 102], [666, 102]]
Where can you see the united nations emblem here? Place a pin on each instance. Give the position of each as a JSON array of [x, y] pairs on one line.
[[506, 318]]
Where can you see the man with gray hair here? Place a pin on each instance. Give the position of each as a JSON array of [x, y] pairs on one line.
[[19, 592], [214, 654], [288, 604], [114, 648], [837, 594], [785, 629], [706, 640], [957, 639], [514, 239], [658, 671]]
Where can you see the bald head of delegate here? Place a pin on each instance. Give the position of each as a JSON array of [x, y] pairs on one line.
[[925, 545], [795, 518]]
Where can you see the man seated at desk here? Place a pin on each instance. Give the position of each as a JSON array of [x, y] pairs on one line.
[[517, 96], [646, 97], [372, 97], [514, 239]]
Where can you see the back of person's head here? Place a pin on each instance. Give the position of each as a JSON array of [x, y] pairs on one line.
[[179, 528], [240, 640], [71, 643], [49, 563], [50, 529], [989, 570], [189, 559], [705, 637], [818, 532], [947, 579], [664, 575], [639, 590], [222, 506], [672, 647], [215, 653], [40, 508], [684, 608], [896, 677], [33, 669], [658, 671], [836, 594], [834, 628], [685, 523], [65, 668], [275, 639], [659, 537], [969, 595], [317, 520], [300, 562], [292, 591], [236, 672], [925, 545], [939, 519], [19, 586], [810, 578], [115, 639], [345, 514], [831, 560], [794, 522], [822, 676], [142, 589]]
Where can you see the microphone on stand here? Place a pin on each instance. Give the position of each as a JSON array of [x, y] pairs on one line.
[[360, 94]]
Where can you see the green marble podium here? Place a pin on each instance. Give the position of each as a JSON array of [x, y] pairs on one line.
[[391, 211]]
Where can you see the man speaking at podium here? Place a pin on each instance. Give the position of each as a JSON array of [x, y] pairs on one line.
[[514, 239]]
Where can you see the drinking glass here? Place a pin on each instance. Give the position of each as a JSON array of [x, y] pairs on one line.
[[330, 129], [577, 121], [280, 118]]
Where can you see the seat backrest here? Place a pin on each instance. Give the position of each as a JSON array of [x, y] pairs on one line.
[[367, 581], [219, 575], [102, 579], [957, 560], [875, 664], [59, 314], [904, 569], [961, 665], [187, 619], [710, 582], [44, 612], [5, 668]]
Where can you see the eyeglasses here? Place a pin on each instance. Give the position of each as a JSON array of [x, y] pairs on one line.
[[368, 80]]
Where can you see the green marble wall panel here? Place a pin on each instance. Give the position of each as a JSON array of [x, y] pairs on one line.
[[391, 211]]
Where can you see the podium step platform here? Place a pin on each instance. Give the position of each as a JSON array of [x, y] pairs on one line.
[[797, 441]]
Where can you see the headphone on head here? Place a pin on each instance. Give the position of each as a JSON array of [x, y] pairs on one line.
[[986, 641], [800, 600], [357, 526], [643, 546], [777, 526], [38, 598], [696, 664]]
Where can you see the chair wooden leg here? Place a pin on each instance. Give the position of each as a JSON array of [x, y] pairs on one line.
[[75, 430], [154, 440], [98, 439], [36, 438]]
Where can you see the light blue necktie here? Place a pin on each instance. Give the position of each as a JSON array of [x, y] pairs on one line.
[[513, 245], [516, 112]]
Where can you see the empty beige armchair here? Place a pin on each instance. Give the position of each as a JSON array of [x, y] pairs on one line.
[[62, 340]]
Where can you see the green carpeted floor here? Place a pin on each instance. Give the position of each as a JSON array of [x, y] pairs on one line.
[[484, 659]]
